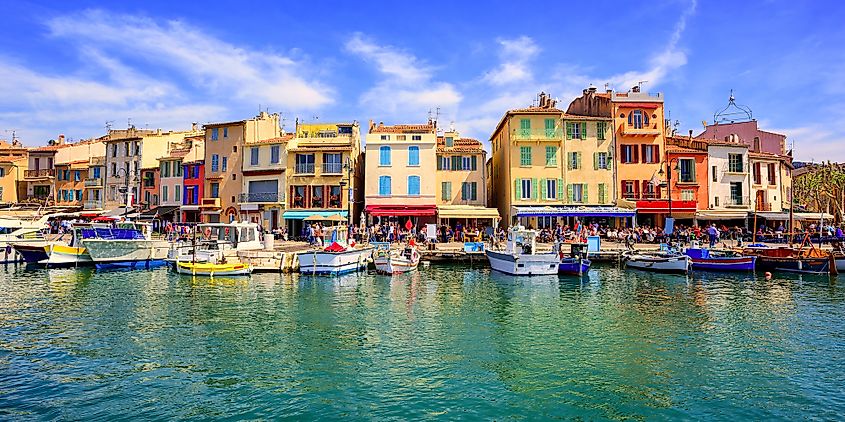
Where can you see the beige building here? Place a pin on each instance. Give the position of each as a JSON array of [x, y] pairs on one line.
[[224, 144], [323, 172], [13, 165], [262, 198], [462, 182], [94, 199], [400, 179], [588, 151]]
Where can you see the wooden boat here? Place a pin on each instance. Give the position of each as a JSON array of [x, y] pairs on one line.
[[520, 257], [720, 259], [576, 263], [810, 261], [204, 269], [663, 261], [838, 253], [32, 252], [396, 261], [336, 256]]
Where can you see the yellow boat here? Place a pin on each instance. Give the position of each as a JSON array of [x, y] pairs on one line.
[[211, 270]]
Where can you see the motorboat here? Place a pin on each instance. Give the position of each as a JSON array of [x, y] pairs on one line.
[[396, 261], [74, 252], [577, 262], [17, 234], [335, 255], [667, 261], [520, 256], [32, 252], [129, 244], [719, 259], [838, 254], [206, 269], [214, 242]]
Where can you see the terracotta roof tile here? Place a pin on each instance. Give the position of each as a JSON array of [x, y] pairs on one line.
[[280, 140], [424, 128], [535, 109], [460, 145]]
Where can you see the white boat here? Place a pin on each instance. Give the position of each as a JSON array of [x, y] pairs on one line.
[[667, 262], [217, 241], [129, 244], [19, 232], [73, 253], [213, 270], [396, 261], [520, 255], [336, 256]]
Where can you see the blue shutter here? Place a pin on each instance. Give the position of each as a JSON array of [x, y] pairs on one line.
[[384, 156], [413, 156], [413, 185]]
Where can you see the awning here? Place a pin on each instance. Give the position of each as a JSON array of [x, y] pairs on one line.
[[466, 211], [661, 206], [159, 211], [301, 215], [401, 210], [769, 215], [811, 216], [721, 215], [564, 211], [117, 212], [638, 105]]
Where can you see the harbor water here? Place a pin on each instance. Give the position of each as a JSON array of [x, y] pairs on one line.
[[446, 342]]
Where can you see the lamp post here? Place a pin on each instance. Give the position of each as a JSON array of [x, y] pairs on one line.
[[347, 167], [669, 181], [125, 189]]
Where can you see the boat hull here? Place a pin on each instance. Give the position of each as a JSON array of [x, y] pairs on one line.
[[539, 264], [333, 263], [32, 253], [840, 264], [745, 263], [675, 264], [213, 270], [574, 266], [395, 265], [797, 265], [60, 255], [127, 253]]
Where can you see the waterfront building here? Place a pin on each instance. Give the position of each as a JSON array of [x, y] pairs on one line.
[[224, 144], [193, 186], [70, 183], [40, 176], [770, 182], [728, 181], [262, 197], [400, 172], [93, 184], [461, 182], [687, 159], [323, 173], [13, 164], [150, 182]]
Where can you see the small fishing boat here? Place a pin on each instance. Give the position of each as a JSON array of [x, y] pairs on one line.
[[520, 257], [335, 256], [659, 261], [396, 261], [797, 260], [719, 259], [32, 252], [576, 263], [213, 270]]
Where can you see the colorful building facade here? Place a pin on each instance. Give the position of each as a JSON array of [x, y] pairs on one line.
[[461, 182], [70, 183], [262, 197]]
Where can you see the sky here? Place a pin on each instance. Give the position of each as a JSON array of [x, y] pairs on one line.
[[73, 68]]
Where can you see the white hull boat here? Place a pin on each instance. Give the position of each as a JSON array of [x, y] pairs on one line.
[[539, 264], [213, 270], [659, 262], [334, 263], [63, 255], [104, 251], [396, 262]]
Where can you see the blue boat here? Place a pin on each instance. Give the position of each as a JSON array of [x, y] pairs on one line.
[[576, 263], [720, 260]]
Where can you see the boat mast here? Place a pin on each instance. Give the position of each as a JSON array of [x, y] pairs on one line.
[[791, 212]]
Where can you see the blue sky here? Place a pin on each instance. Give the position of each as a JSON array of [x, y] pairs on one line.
[[69, 67]]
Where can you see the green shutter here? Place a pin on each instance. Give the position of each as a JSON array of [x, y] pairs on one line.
[[584, 190], [474, 163], [601, 193], [569, 192], [578, 160], [692, 170], [542, 189], [439, 164], [516, 190], [583, 130], [524, 124], [455, 162], [568, 130], [534, 189], [569, 160], [595, 161], [560, 190], [609, 161], [474, 191]]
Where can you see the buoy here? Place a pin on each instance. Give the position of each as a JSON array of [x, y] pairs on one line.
[[768, 275]]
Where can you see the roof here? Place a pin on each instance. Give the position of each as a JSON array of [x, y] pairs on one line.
[[423, 128], [278, 140], [460, 145], [233, 123], [567, 116], [675, 148], [176, 154]]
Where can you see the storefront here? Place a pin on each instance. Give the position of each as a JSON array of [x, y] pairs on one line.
[[653, 213], [418, 214], [551, 216], [295, 220], [467, 215]]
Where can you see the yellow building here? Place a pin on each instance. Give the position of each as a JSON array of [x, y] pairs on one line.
[[323, 172], [224, 145], [13, 165], [588, 148], [462, 182], [400, 179], [262, 199], [70, 179]]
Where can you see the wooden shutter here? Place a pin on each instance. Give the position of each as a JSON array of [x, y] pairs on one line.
[[584, 191], [570, 195], [578, 160], [583, 130], [517, 189], [474, 162], [568, 130], [595, 161], [569, 160], [534, 189], [560, 190], [439, 163], [542, 189], [636, 152], [692, 170], [474, 188], [656, 154], [609, 161]]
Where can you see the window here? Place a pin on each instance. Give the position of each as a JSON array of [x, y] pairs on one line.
[[126, 150], [413, 156], [225, 164], [550, 128], [177, 169], [196, 172], [114, 150], [524, 156], [214, 134], [164, 193], [651, 154], [469, 191], [114, 169], [757, 143], [466, 163], [76, 176], [215, 163], [385, 137], [401, 137], [551, 156], [274, 154], [602, 193], [450, 141], [2, 172], [771, 171], [602, 161], [525, 189], [524, 128], [253, 156], [304, 163], [735, 163], [225, 132], [384, 156], [637, 119], [446, 191], [576, 130], [384, 185], [551, 189], [416, 137], [177, 193], [687, 195], [629, 189], [137, 148], [413, 185], [714, 173], [687, 170], [215, 190], [630, 154], [577, 192], [736, 193], [757, 173], [96, 172], [574, 161], [601, 129], [235, 149]]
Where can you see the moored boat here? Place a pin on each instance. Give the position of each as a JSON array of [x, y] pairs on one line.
[[720, 260], [335, 256], [205, 269], [577, 262], [798, 260], [520, 257], [73, 253], [663, 261], [128, 245], [396, 261]]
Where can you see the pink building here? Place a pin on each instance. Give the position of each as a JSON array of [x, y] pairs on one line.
[[749, 134]]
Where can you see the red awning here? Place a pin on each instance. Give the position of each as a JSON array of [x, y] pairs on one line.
[[661, 206], [639, 105], [400, 210]]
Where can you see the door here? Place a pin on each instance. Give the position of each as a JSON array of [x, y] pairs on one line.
[[760, 202], [274, 219]]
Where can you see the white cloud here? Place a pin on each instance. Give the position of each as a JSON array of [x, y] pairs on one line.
[[406, 88], [515, 55], [813, 142]]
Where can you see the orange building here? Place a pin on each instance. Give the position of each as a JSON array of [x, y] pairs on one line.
[[70, 182], [688, 160]]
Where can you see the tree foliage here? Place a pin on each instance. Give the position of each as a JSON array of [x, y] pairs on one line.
[[821, 189]]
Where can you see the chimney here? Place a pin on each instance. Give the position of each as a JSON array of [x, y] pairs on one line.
[[635, 88], [61, 139], [592, 89], [690, 133], [194, 126]]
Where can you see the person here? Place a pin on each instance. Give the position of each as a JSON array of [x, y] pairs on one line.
[[713, 233]]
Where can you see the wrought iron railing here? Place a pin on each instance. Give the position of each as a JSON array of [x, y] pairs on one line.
[[269, 197]]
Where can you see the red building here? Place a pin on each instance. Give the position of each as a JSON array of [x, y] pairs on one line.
[[192, 190], [149, 188]]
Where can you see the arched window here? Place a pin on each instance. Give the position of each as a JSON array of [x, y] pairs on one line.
[[384, 156], [414, 185], [384, 185], [635, 119]]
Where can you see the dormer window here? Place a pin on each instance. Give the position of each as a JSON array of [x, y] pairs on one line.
[[637, 119]]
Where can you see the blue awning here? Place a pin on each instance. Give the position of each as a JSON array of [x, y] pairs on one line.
[[564, 211], [301, 215]]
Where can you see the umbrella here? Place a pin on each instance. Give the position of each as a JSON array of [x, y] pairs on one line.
[[335, 217], [316, 217]]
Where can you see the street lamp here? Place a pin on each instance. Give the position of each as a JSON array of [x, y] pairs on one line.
[[668, 174], [347, 167], [125, 189]]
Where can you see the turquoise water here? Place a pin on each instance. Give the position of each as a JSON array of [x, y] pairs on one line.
[[449, 342]]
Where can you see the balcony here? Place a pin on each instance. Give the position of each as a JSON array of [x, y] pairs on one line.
[[538, 134], [262, 197], [33, 174], [736, 201], [93, 204], [332, 168], [646, 130], [735, 168], [94, 183], [210, 203], [304, 169]]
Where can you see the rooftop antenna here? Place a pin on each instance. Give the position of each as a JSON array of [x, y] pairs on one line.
[[109, 124], [283, 119], [640, 84], [606, 86], [436, 114], [129, 122]]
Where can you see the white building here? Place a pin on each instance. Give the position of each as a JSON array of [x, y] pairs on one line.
[[728, 180]]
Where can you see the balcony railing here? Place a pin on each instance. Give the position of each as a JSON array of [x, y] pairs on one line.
[[332, 168], [736, 201], [304, 168], [262, 197], [92, 204], [40, 173], [538, 134], [210, 203], [651, 129], [93, 183], [646, 196]]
